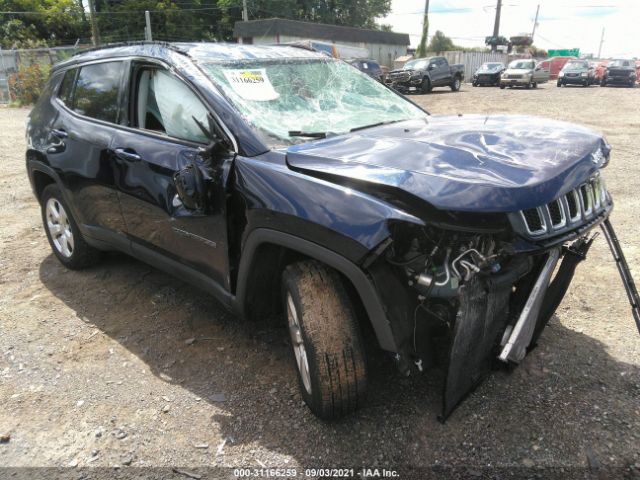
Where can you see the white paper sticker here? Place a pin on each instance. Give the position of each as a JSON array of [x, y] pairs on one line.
[[251, 84]]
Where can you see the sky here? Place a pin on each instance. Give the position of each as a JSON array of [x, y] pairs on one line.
[[561, 23]]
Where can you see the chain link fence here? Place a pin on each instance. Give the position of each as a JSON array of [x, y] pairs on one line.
[[11, 62]]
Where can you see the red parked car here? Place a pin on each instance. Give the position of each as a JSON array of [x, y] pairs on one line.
[[600, 67], [554, 65]]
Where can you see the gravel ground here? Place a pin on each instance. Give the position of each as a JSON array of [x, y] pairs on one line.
[[122, 365]]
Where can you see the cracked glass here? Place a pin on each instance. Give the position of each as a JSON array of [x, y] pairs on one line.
[[283, 98]]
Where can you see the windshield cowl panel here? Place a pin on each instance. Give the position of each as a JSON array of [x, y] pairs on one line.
[[281, 98]]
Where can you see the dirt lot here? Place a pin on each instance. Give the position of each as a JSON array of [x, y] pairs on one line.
[[98, 368]]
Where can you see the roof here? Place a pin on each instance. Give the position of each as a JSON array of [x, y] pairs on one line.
[[205, 51], [320, 31]]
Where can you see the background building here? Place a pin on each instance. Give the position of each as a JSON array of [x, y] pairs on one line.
[[383, 47]]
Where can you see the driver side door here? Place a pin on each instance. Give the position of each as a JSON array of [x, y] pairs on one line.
[[162, 139]]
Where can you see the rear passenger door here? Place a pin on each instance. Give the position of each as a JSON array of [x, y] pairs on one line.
[[88, 102], [161, 138]]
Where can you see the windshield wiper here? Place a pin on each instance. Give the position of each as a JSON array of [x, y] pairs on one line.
[[298, 133], [388, 122]]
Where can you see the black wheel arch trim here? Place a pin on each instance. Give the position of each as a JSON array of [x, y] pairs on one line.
[[359, 279]]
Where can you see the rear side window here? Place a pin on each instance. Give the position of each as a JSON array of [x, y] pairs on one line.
[[97, 88], [66, 87]]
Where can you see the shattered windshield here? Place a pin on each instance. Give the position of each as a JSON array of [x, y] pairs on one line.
[[294, 100]]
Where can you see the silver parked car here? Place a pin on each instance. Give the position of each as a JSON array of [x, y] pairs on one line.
[[523, 73]]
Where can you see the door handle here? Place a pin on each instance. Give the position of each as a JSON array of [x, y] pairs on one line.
[[59, 132], [127, 154]]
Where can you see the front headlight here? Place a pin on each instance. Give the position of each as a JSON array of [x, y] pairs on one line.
[[561, 74], [584, 74]]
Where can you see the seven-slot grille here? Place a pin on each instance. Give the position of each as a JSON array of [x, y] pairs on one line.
[[569, 211]]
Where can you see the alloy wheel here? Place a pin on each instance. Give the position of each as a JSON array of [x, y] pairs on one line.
[[298, 344], [59, 227]]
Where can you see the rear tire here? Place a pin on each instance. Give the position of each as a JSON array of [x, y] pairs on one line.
[[502, 87], [455, 86], [63, 233], [326, 339]]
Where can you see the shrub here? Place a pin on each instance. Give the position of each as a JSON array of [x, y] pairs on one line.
[[26, 84]]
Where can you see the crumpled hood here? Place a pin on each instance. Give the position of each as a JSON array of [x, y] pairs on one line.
[[462, 163]]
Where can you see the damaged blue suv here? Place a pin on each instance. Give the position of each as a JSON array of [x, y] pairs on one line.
[[281, 180]]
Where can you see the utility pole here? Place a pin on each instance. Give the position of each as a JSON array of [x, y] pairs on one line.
[[95, 33], [245, 12], [535, 23], [496, 26], [147, 30], [601, 42], [422, 48]]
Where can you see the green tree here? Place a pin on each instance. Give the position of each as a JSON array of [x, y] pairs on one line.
[[441, 43], [52, 22]]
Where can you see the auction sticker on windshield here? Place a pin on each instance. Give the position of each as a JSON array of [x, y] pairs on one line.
[[251, 84]]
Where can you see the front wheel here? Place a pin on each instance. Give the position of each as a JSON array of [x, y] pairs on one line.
[[325, 337], [425, 86], [559, 84], [455, 86], [63, 233]]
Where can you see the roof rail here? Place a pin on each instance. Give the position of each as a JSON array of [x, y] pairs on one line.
[[130, 44]]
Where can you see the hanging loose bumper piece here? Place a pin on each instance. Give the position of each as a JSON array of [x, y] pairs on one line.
[[623, 269]]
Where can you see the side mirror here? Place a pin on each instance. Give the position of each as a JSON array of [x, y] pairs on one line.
[[218, 142], [190, 187], [431, 66]]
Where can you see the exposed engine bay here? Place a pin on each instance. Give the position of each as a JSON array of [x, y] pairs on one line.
[[476, 294]]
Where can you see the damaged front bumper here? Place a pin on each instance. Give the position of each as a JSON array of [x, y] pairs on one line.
[[487, 297]]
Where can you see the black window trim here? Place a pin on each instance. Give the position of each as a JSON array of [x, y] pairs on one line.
[[128, 60]]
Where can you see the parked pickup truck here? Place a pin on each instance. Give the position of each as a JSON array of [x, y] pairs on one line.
[[423, 74], [620, 72], [292, 186]]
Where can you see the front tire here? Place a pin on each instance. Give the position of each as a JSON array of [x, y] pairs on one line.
[[425, 86], [326, 340], [63, 233]]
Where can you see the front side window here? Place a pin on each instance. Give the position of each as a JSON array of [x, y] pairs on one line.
[[320, 95], [97, 88], [166, 105]]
